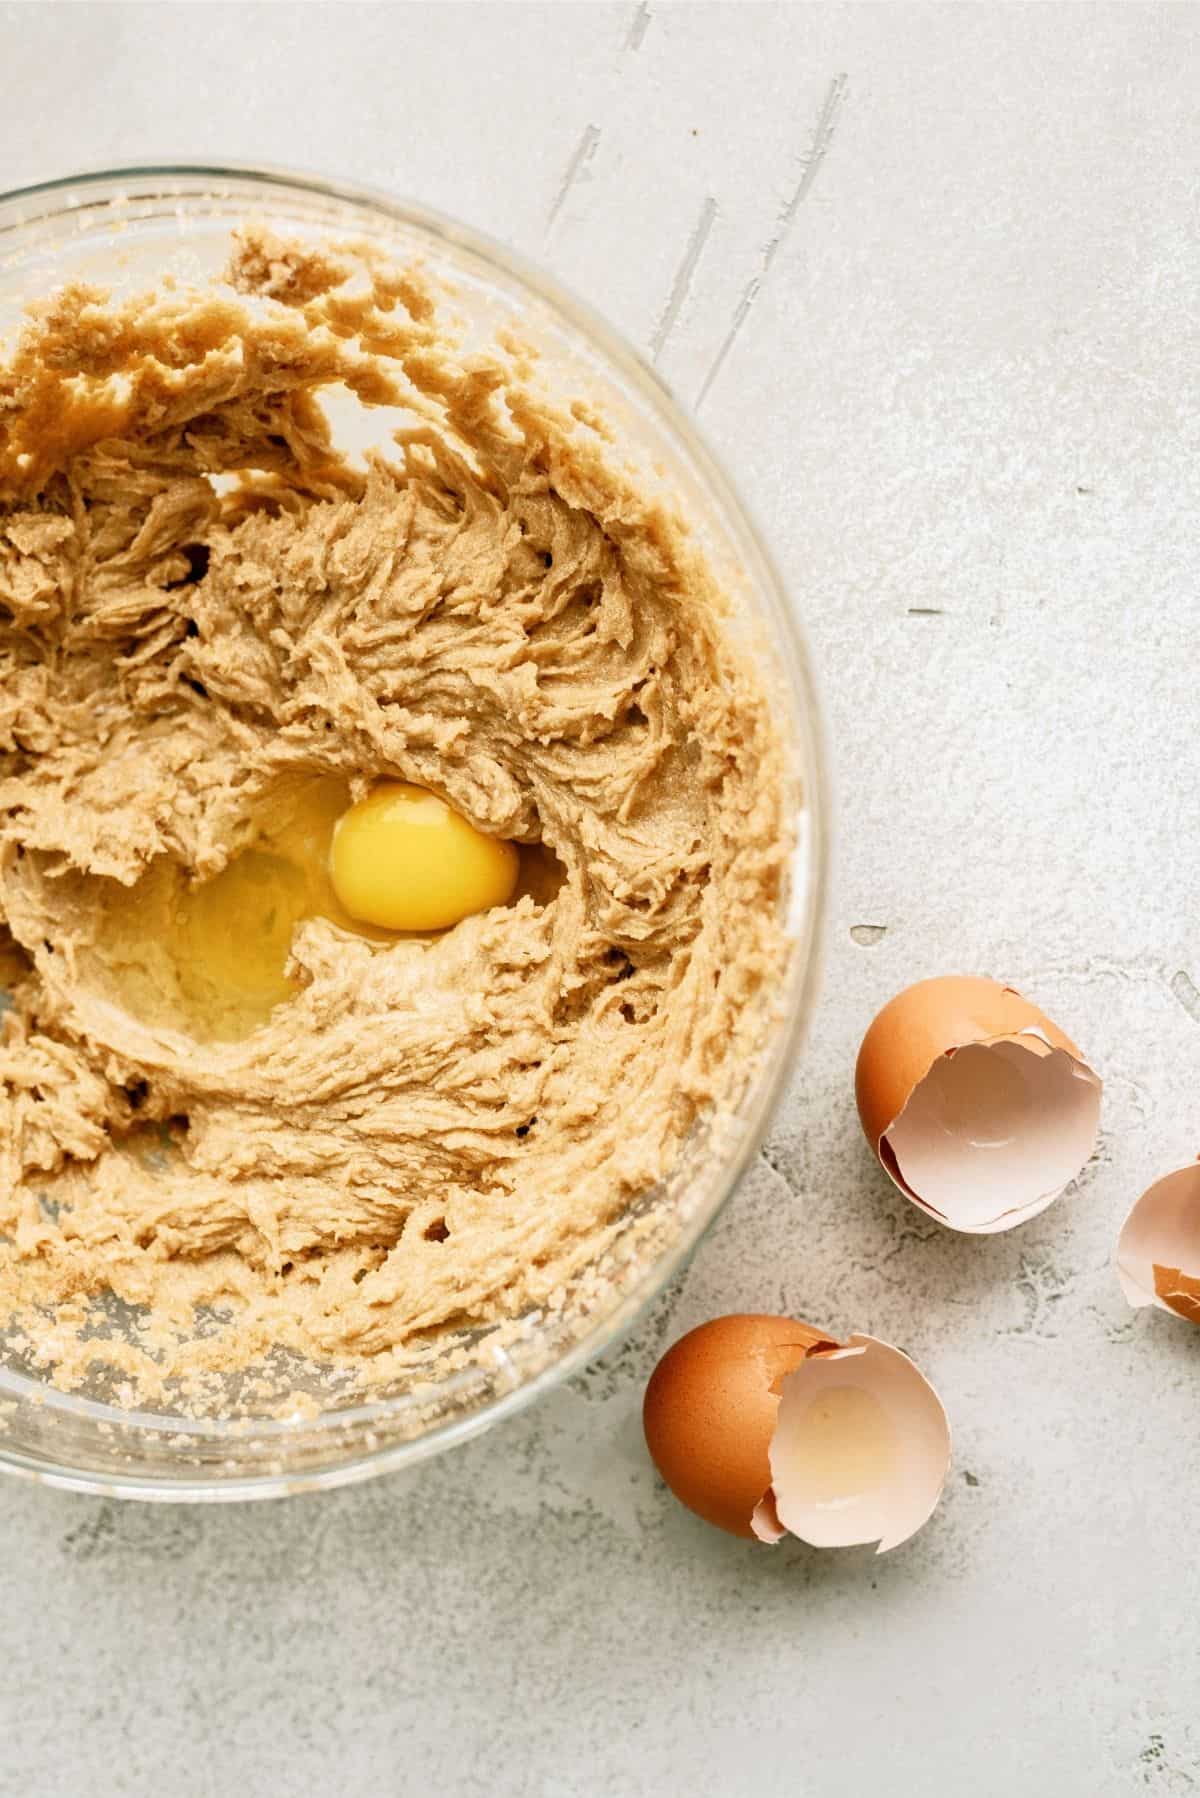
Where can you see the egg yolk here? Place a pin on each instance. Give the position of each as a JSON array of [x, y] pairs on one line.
[[403, 859]]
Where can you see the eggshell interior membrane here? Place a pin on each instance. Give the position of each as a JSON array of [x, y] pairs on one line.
[[765, 1520], [902, 1485], [976, 1104], [1158, 1251], [994, 1132]]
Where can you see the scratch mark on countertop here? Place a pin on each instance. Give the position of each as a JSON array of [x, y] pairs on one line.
[[582, 155], [1119, 1334], [1041, 1283], [815, 155], [90, 1536], [1153, 1759], [1099, 967], [770, 1160], [639, 26], [681, 285], [867, 935], [1185, 991]]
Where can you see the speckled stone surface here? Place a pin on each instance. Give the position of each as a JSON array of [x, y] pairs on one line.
[[935, 273]]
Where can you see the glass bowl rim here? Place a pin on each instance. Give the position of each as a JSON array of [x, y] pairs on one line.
[[686, 431]]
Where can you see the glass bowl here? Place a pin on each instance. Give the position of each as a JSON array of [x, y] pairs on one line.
[[124, 229]]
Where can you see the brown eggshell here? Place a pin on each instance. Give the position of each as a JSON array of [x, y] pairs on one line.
[[1158, 1254], [921, 1024], [710, 1411]]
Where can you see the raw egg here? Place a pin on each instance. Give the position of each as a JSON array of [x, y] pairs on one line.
[[1158, 1252], [767, 1428], [214, 957], [979, 1108], [405, 860]]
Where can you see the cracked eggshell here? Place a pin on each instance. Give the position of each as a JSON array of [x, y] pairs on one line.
[[979, 1108], [758, 1424], [710, 1411], [1158, 1251], [894, 1436]]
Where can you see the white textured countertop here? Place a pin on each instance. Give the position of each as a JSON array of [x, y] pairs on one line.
[[935, 273]]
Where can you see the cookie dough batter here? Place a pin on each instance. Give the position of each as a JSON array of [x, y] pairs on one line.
[[218, 627]]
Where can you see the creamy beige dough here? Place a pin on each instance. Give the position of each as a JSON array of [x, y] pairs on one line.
[[208, 611]]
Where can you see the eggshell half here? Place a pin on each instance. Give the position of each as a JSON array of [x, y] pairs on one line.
[[977, 1105], [895, 1508], [1158, 1251], [710, 1411]]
